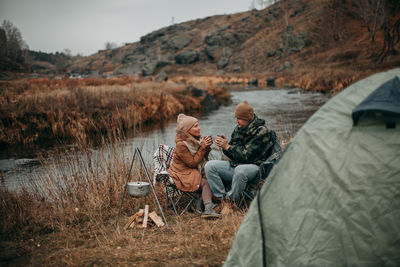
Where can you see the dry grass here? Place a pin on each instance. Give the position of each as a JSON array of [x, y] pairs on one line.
[[42, 109], [67, 215], [188, 241]]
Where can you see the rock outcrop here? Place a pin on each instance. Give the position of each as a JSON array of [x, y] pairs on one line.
[[292, 42], [187, 56]]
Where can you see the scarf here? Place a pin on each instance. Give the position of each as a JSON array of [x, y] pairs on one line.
[[193, 145]]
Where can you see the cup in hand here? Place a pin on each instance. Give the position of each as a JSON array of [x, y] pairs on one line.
[[219, 139], [220, 136], [209, 139]]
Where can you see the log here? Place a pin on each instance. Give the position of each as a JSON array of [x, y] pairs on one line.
[[146, 215], [133, 217], [156, 219]]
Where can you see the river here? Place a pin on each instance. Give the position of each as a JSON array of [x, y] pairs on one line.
[[285, 111]]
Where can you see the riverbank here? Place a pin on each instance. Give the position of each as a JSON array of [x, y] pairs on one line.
[[64, 213], [71, 221], [37, 110]]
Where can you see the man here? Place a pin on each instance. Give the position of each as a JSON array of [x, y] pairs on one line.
[[251, 144]]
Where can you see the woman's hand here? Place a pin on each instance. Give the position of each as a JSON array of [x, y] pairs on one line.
[[222, 142], [206, 141]]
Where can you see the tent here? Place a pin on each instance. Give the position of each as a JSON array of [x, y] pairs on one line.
[[333, 199]]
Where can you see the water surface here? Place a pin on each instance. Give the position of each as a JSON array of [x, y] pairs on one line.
[[284, 110]]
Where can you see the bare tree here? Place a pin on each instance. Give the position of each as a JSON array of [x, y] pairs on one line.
[[372, 13], [3, 43], [390, 28], [67, 52], [110, 45], [284, 6], [27, 59], [14, 39], [261, 3], [24, 45], [252, 5]]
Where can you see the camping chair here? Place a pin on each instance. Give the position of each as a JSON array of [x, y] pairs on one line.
[[163, 158], [252, 189]]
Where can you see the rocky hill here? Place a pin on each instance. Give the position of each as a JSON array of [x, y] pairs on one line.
[[302, 41], [319, 45]]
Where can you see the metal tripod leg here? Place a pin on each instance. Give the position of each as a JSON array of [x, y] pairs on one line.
[[137, 151], [151, 185], [126, 183]]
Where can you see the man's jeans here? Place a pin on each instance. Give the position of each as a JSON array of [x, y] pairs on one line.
[[219, 172]]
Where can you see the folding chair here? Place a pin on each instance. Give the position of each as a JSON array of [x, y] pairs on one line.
[[252, 189], [163, 158]]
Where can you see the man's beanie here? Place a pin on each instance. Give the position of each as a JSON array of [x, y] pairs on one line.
[[244, 111], [185, 123]]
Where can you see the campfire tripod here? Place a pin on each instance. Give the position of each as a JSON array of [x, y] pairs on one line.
[[137, 152]]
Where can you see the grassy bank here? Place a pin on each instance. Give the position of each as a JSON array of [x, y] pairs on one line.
[[313, 78], [67, 216], [48, 109]]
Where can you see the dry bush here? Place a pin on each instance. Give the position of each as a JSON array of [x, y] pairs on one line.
[[40, 109], [67, 216]]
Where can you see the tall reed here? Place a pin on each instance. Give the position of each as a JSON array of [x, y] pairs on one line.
[[73, 203], [42, 109]]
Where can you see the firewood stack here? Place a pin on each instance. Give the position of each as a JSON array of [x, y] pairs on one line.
[[141, 218]]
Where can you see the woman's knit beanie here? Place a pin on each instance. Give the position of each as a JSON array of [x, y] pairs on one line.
[[185, 123]]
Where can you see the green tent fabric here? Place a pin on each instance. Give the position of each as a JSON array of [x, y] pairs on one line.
[[382, 105], [334, 197]]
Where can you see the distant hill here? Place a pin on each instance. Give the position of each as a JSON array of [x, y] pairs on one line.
[[302, 40], [313, 44]]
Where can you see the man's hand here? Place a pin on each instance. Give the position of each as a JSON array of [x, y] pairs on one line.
[[222, 142]]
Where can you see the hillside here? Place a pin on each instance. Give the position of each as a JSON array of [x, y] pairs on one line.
[[316, 45], [319, 45]]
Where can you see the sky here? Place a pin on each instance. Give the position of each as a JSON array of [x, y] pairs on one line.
[[84, 26]]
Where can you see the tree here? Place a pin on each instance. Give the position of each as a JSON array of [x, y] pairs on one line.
[[262, 3], [252, 5], [14, 40], [284, 5], [110, 45], [67, 52], [390, 28], [265, 3], [3, 43], [382, 15], [372, 12]]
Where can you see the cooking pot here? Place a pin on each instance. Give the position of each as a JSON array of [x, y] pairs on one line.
[[138, 189]]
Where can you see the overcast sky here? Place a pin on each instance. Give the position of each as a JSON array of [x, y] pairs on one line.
[[84, 26]]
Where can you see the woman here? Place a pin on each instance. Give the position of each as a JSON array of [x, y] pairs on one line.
[[187, 168]]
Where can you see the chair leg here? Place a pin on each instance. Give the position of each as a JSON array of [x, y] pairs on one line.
[[242, 200], [174, 195], [179, 198], [170, 197], [173, 206], [188, 205]]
